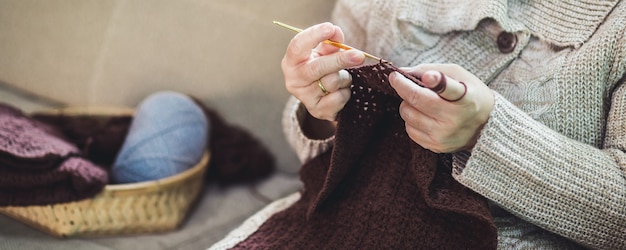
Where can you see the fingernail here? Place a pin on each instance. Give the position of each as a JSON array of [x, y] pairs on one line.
[[392, 77]]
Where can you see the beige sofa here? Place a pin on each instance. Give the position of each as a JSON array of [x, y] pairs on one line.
[[114, 53]]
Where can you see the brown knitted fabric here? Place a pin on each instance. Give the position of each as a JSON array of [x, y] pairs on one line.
[[98, 137], [377, 189], [39, 167], [74, 179], [237, 156], [27, 144]]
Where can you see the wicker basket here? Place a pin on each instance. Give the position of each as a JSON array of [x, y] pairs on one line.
[[122, 209]]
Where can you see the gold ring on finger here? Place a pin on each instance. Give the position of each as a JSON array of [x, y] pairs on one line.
[[319, 83]]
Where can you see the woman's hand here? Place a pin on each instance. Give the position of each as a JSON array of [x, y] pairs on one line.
[[313, 71], [442, 122]]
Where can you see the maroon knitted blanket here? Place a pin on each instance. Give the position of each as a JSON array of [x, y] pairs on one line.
[[377, 189], [38, 167]]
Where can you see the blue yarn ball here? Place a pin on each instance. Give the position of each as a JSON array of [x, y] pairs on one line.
[[167, 136]]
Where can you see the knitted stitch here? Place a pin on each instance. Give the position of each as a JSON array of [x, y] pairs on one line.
[[27, 144], [98, 137], [74, 179], [237, 156], [377, 189], [39, 167]]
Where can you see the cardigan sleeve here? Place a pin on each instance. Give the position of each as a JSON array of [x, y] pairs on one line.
[[305, 147], [550, 180]]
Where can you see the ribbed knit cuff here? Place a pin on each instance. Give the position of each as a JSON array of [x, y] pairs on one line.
[[459, 159], [305, 147], [552, 181]]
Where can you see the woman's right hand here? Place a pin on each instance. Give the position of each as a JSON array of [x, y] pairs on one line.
[[311, 66]]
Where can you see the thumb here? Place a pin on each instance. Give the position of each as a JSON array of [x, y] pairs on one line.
[[447, 88]]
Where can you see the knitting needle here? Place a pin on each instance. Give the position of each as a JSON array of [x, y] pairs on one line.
[[331, 42]]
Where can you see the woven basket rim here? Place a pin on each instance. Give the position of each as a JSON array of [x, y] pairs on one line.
[[164, 182]]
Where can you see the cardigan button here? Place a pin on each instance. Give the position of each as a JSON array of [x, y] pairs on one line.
[[506, 42]]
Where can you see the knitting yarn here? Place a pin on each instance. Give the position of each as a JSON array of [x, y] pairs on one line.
[[167, 136]]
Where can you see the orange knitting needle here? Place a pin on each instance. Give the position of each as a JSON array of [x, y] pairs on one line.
[[331, 42]]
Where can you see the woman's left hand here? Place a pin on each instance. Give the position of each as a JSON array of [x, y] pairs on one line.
[[447, 122]]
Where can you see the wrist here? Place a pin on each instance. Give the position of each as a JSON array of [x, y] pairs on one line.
[[317, 129]]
